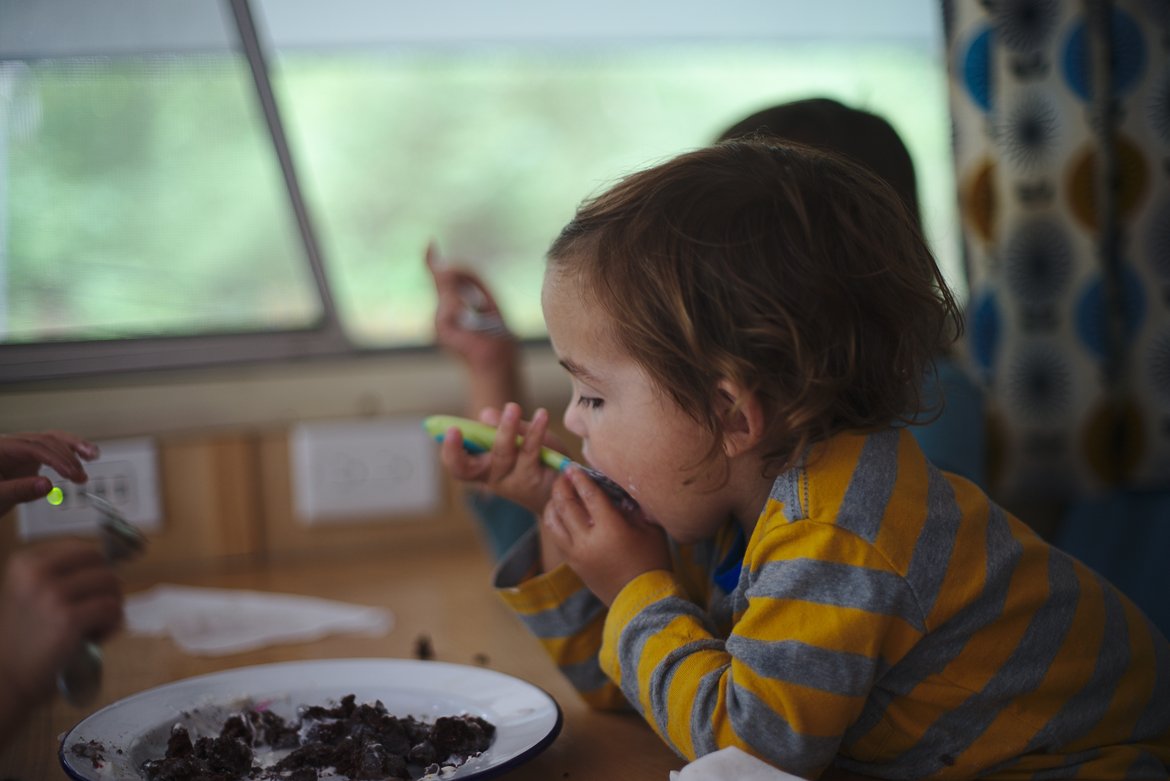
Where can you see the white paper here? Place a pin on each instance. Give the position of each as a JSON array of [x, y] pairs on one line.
[[215, 622], [730, 764]]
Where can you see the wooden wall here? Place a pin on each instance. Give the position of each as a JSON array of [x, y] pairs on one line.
[[227, 502]]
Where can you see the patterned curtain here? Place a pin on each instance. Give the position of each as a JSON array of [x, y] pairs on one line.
[[1062, 145]]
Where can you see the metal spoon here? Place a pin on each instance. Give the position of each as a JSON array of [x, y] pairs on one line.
[[80, 679], [477, 316]]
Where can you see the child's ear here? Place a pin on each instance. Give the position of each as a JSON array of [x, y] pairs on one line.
[[742, 417]]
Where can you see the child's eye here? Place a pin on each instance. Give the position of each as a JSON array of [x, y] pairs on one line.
[[590, 402]]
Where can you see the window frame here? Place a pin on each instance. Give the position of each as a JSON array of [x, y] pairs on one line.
[[26, 362], [23, 363]]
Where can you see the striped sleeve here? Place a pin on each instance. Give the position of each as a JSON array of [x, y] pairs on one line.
[[824, 614], [564, 615]]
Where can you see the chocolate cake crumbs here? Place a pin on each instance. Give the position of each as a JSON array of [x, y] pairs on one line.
[[92, 750], [423, 648], [349, 740]]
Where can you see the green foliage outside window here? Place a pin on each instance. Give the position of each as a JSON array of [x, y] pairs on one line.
[[144, 197]]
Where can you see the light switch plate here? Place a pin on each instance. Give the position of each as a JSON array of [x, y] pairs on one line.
[[366, 469]]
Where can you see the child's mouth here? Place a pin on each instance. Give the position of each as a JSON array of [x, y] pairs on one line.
[[615, 492]]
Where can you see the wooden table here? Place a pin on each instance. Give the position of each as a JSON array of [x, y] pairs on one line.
[[442, 592]]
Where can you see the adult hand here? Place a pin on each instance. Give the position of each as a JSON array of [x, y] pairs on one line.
[[53, 595], [23, 455], [604, 547]]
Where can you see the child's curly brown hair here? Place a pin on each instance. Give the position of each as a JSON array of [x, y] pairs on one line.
[[792, 272]]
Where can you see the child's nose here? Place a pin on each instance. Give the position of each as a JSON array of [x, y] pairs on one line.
[[572, 420]]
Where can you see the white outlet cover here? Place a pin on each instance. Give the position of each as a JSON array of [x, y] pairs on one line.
[[368, 469], [125, 474]]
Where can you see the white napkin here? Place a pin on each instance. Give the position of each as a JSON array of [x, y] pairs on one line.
[[214, 622], [730, 764]]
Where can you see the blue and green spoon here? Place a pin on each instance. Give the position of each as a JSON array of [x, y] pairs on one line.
[[479, 437]]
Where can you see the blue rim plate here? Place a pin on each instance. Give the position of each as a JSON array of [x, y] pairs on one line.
[[130, 731]]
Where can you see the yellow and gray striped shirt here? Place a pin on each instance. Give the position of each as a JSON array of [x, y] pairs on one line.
[[888, 619]]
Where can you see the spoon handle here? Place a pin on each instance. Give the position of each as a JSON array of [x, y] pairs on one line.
[[81, 677]]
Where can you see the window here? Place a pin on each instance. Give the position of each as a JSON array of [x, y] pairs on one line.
[[153, 213]]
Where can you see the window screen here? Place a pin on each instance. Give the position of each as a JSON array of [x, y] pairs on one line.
[[143, 199], [159, 208]]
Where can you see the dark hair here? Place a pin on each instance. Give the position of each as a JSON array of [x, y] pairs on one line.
[[824, 123], [791, 271]]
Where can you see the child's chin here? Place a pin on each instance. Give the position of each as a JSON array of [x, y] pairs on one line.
[[683, 538]]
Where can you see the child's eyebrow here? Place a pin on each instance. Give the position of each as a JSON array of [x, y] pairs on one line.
[[578, 371]]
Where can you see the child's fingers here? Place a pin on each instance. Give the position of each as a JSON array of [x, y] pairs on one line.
[[534, 435], [504, 448], [491, 415], [567, 501], [451, 448], [594, 500], [459, 463], [432, 258], [555, 528]]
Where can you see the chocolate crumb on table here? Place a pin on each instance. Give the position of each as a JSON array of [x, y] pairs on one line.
[[423, 648]]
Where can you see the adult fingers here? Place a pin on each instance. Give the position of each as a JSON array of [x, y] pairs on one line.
[[62, 556], [91, 584], [97, 615], [22, 489], [22, 455], [101, 616], [79, 445]]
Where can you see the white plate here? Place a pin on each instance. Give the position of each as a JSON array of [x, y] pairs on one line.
[[526, 718]]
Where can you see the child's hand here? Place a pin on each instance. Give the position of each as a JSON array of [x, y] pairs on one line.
[[513, 472], [606, 549], [489, 354], [460, 291]]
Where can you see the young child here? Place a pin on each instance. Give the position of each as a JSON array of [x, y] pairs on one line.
[[951, 432], [744, 327]]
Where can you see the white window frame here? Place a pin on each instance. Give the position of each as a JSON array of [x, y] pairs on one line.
[[65, 27]]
